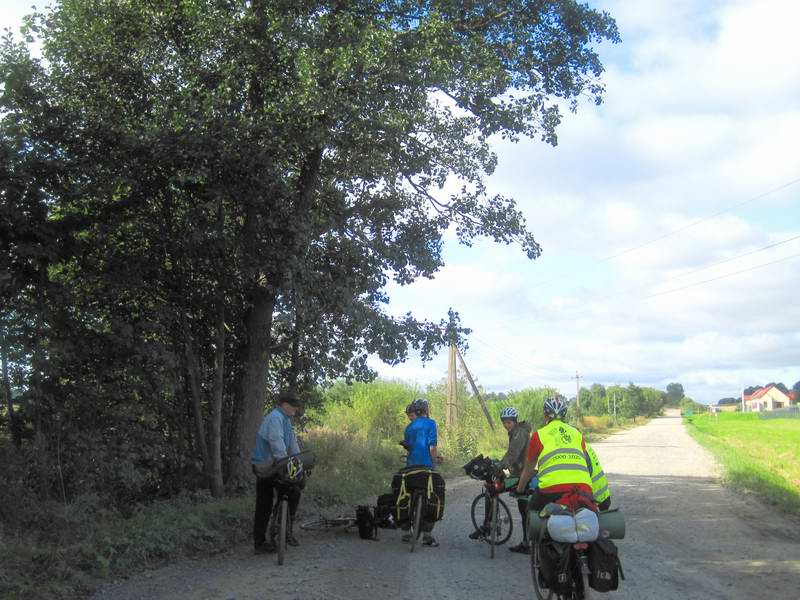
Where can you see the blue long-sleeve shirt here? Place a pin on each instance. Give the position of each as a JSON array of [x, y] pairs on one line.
[[275, 439]]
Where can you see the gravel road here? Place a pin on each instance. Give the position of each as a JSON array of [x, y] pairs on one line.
[[688, 538]]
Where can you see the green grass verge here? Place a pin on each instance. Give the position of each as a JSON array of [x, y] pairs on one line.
[[758, 455], [79, 546]]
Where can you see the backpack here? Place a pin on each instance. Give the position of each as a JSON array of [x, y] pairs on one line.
[[555, 567], [605, 568], [367, 530]]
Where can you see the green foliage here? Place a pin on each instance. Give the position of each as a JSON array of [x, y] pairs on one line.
[[74, 546], [203, 202], [739, 441], [674, 394], [687, 405]]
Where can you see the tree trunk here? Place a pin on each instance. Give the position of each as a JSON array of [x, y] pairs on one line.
[[13, 426], [253, 383], [196, 394], [215, 435]]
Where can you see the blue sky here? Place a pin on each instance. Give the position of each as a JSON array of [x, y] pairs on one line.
[[701, 114]]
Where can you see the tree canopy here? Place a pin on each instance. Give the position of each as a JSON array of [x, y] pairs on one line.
[[203, 201]]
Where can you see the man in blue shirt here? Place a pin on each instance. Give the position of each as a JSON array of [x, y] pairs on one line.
[[420, 441], [275, 440], [420, 437]]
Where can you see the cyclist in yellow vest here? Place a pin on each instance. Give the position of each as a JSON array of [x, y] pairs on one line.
[[558, 452], [600, 489]]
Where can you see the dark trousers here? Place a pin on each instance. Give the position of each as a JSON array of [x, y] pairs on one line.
[[265, 496], [605, 504], [522, 505]]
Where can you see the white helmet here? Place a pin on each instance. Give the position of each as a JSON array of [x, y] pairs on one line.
[[509, 412]]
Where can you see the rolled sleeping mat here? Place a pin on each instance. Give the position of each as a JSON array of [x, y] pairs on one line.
[[612, 521]]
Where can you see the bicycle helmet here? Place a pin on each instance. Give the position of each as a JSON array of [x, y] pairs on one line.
[[509, 413], [420, 406], [555, 407], [410, 408]]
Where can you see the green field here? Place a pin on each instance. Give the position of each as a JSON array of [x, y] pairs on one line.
[[759, 455]]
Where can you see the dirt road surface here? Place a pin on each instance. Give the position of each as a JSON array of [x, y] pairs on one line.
[[688, 538]]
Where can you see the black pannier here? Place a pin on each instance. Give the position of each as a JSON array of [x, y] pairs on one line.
[[365, 520], [418, 478], [605, 568], [384, 511], [554, 566]]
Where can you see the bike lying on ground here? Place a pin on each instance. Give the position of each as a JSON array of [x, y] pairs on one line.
[[571, 552], [290, 472], [488, 503]]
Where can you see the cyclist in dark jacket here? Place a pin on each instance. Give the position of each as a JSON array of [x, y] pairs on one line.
[[513, 462]]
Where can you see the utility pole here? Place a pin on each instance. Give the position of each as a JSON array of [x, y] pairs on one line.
[[475, 388], [742, 397], [615, 408], [450, 416], [578, 389]]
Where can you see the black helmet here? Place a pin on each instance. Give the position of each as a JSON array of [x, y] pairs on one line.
[[420, 406]]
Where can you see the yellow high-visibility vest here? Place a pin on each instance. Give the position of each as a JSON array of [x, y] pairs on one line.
[[562, 460], [600, 489]]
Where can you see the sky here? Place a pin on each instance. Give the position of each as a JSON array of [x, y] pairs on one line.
[[669, 218]]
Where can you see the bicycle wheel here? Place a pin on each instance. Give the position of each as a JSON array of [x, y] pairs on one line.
[[493, 525], [542, 593], [586, 593], [478, 510], [583, 566], [283, 515], [416, 520], [505, 524], [336, 524]]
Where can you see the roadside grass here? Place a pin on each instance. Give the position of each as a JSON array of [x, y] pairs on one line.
[[758, 455], [79, 545]]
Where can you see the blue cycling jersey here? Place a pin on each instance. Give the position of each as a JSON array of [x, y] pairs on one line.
[[420, 435]]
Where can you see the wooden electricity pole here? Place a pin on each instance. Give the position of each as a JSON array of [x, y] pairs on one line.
[[474, 388], [451, 412], [578, 390]]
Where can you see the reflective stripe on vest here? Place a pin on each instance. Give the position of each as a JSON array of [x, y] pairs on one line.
[[562, 460], [600, 489]]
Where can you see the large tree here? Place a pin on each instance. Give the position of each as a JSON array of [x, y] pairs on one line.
[[231, 184]]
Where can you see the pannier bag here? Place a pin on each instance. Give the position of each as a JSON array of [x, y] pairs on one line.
[[384, 511], [605, 568], [366, 523], [554, 566], [583, 527], [418, 478]]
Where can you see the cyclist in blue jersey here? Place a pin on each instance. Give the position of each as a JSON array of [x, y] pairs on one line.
[[420, 437], [420, 441]]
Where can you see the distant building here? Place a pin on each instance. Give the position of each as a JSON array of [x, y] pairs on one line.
[[768, 398], [728, 405]]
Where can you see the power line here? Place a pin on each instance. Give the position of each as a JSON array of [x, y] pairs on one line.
[[678, 230], [704, 268], [698, 283], [785, 258]]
